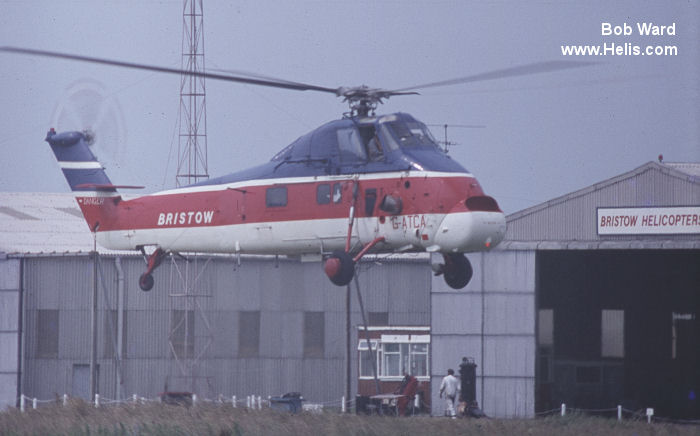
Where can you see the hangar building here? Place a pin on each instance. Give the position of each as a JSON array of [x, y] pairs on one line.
[[265, 327], [577, 305], [591, 300]]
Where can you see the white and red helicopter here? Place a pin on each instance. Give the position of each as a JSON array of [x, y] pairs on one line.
[[363, 183]]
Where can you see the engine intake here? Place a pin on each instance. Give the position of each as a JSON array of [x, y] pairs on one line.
[[482, 203]]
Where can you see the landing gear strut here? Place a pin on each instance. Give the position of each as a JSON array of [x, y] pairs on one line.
[[457, 270], [146, 280], [340, 266]]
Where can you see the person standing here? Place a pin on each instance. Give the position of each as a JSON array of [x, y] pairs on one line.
[[450, 387], [408, 389]]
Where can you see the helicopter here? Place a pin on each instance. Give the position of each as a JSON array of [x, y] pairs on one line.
[[364, 183]]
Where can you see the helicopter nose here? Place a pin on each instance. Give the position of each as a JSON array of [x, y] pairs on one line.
[[465, 231]]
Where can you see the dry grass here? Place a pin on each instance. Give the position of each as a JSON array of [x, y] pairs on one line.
[[80, 418]]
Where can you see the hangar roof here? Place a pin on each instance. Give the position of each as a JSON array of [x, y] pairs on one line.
[[43, 223], [690, 168], [570, 221]]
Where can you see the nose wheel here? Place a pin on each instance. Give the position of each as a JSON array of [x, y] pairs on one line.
[[457, 270]]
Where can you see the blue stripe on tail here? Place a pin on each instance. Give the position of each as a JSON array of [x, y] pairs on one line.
[[80, 167]]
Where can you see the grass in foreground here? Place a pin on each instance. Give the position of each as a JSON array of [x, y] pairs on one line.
[[80, 418]]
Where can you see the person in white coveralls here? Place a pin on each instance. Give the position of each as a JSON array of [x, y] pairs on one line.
[[450, 387]]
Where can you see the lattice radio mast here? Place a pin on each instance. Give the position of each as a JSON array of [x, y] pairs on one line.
[[190, 331], [192, 165]]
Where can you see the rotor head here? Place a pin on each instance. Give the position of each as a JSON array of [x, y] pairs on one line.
[[363, 100]]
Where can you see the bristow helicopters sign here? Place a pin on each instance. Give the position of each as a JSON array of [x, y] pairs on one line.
[[649, 220]]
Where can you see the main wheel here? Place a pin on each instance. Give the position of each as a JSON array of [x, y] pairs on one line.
[[146, 282], [458, 270], [340, 268]]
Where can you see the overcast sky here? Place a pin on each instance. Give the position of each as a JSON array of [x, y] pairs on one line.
[[542, 136]]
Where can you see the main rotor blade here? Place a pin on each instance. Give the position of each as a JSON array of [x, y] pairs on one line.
[[251, 75], [521, 70], [216, 76]]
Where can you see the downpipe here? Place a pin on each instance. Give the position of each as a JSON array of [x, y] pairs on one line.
[[120, 323]]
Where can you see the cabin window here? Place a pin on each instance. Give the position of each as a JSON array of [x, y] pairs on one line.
[[337, 193], [350, 145], [370, 200], [249, 333], [323, 194], [276, 197]]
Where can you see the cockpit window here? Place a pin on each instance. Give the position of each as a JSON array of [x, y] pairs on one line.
[[387, 137], [411, 134], [371, 140], [350, 145], [284, 153]]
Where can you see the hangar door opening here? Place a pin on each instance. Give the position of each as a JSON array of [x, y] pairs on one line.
[[619, 327]]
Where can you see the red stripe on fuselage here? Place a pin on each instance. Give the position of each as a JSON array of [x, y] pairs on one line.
[[240, 205]]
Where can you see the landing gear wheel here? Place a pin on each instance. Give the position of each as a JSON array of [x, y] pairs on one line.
[[146, 279], [340, 268], [146, 282], [458, 270]]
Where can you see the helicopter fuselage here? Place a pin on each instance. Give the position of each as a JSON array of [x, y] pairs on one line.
[[303, 216]]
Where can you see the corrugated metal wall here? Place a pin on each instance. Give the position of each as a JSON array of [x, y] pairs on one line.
[[9, 330], [493, 322], [282, 290]]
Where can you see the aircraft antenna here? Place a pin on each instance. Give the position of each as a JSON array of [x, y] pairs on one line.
[[445, 143]]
